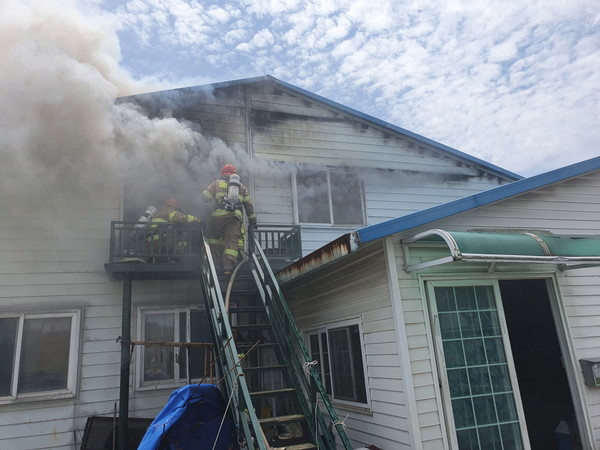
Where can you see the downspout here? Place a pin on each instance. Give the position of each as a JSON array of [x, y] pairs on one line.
[[125, 365]]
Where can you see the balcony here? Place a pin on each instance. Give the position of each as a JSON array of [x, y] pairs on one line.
[[172, 251]]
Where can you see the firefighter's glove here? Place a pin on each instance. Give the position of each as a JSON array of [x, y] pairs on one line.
[[252, 222]]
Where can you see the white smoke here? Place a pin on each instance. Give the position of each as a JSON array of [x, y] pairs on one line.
[[61, 128]]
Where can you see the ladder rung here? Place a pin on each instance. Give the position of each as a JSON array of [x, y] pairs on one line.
[[280, 420], [264, 368], [246, 309], [252, 344], [244, 293], [251, 326], [272, 393], [306, 446]]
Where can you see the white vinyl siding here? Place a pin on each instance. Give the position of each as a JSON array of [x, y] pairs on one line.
[[52, 254], [386, 196], [398, 176], [570, 207], [360, 290]]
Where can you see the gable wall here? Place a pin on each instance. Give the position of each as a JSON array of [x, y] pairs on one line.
[[400, 176]]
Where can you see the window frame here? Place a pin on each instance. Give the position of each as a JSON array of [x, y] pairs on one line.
[[177, 380], [70, 390], [328, 171], [324, 330]]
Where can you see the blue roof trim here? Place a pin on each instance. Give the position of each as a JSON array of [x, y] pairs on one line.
[[270, 79], [464, 204]]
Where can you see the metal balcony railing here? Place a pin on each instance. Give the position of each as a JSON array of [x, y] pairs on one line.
[[279, 242], [165, 242], [160, 242]]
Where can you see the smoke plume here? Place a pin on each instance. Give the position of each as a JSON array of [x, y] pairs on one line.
[[61, 128]]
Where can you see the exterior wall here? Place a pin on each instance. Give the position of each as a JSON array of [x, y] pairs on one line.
[[570, 207], [147, 402], [52, 255], [52, 251], [361, 291], [400, 175]]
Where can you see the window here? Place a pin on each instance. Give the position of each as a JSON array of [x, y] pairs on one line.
[[168, 365], [338, 350], [39, 355], [329, 196]]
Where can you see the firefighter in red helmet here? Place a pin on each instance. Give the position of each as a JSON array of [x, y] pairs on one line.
[[230, 197]]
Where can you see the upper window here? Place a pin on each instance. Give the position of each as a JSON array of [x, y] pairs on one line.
[[39, 355], [329, 196], [338, 350], [171, 365]]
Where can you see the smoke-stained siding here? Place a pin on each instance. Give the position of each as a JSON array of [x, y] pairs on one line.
[[399, 176], [289, 128], [283, 130], [224, 117], [273, 199]]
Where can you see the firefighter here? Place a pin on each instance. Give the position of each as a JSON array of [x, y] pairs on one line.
[[166, 243], [229, 197]]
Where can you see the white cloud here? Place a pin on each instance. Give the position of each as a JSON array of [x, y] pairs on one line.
[[511, 82]]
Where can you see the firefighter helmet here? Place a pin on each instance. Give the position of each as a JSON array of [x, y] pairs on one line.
[[171, 201], [228, 169]]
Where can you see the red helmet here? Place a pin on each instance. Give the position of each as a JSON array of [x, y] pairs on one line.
[[228, 169], [171, 201]]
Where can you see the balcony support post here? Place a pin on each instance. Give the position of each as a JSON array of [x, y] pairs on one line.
[[125, 365]]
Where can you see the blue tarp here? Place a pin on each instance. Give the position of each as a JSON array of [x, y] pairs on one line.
[[191, 420]]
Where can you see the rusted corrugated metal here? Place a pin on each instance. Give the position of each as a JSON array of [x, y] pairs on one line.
[[341, 247]]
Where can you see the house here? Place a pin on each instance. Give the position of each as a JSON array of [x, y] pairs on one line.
[[310, 163], [471, 324]]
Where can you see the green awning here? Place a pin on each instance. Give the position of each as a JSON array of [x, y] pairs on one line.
[[566, 251]]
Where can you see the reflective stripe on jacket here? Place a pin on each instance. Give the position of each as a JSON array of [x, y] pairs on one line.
[[169, 214]]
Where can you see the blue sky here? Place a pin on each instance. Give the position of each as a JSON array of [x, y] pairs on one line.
[[511, 82]]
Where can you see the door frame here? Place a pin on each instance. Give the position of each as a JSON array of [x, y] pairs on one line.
[[561, 326]]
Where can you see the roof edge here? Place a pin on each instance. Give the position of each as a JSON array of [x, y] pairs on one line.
[[316, 260]]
